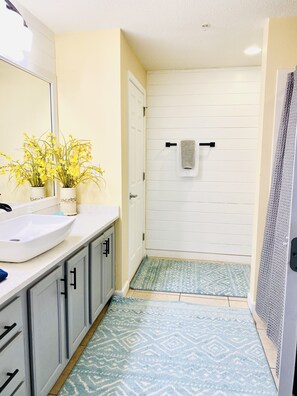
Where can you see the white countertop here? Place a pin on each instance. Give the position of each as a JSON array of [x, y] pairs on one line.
[[91, 220]]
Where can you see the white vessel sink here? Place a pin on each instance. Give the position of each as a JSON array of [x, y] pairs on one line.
[[27, 236]]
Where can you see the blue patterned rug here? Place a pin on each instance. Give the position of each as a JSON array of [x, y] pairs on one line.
[[145, 348], [197, 277]]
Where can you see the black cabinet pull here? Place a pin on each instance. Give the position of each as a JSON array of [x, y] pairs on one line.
[[64, 292], [105, 251], [74, 278], [7, 330], [10, 377], [106, 243]]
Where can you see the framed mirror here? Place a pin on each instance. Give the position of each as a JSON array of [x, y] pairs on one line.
[[25, 107]]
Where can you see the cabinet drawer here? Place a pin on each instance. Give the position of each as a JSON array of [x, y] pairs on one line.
[[10, 321], [12, 366]]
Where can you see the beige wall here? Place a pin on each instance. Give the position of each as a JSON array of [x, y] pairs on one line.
[[279, 51], [88, 75], [92, 70], [129, 62]]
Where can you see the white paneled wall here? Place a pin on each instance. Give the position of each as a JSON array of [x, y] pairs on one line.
[[208, 216]]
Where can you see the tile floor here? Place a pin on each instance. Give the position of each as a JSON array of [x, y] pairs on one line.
[[231, 302]]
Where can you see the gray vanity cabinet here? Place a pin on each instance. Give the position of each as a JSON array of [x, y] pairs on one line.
[[61, 308], [47, 335], [101, 272], [77, 275]]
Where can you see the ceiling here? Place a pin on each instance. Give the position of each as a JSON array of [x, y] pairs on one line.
[[168, 34]]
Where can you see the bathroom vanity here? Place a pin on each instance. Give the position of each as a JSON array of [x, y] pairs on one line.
[[47, 304]]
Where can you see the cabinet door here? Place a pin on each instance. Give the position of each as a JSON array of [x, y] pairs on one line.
[[108, 265], [96, 263], [47, 335], [77, 299]]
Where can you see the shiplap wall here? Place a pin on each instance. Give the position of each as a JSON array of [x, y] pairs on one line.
[[209, 216]]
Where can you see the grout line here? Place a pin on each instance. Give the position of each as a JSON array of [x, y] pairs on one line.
[[228, 299]]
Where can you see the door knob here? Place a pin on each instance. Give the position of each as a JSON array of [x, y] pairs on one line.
[[132, 196]]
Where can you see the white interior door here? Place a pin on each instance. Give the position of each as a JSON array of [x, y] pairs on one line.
[[136, 173]]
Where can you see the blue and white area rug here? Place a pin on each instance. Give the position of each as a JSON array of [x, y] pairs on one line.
[[197, 277], [145, 348]]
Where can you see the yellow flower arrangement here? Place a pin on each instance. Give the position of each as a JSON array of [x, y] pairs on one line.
[[72, 162], [34, 168]]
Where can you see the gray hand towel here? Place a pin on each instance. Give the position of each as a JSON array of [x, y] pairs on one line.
[[187, 154]]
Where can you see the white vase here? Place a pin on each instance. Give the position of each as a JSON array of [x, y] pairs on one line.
[[37, 193], [68, 201]]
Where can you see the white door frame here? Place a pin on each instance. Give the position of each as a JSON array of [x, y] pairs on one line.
[[132, 79]]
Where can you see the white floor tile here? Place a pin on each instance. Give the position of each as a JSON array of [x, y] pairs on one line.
[[156, 296], [205, 301], [238, 304], [271, 356], [237, 299], [269, 348], [259, 322], [152, 291], [265, 340], [204, 296], [130, 293]]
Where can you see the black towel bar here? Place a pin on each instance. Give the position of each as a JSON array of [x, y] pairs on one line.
[[168, 144], [211, 144]]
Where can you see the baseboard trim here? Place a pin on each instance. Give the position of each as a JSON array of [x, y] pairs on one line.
[[251, 303], [123, 291], [199, 256]]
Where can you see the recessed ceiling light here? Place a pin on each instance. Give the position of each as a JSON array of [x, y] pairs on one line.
[[252, 51]]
